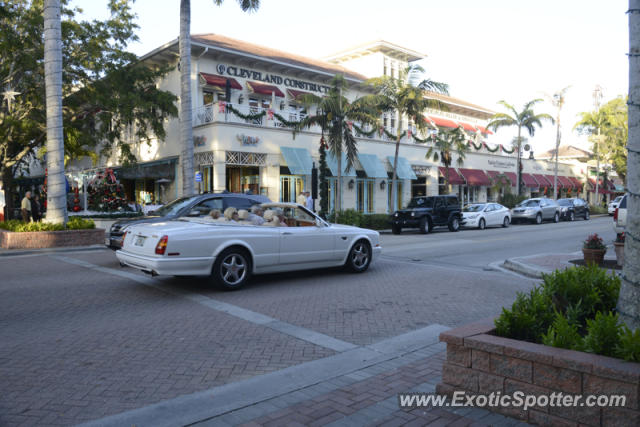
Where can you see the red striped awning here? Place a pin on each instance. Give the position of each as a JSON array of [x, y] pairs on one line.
[[511, 175], [575, 181], [294, 94], [454, 177], [475, 177], [468, 127], [566, 182], [484, 130], [529, 181], [550, 179], [264, 89], [542, 180], [220, 81], [443, 123]]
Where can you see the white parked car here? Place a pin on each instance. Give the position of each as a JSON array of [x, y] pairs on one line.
[[620, 216], [611, 208], [230, 252], [481, 215]]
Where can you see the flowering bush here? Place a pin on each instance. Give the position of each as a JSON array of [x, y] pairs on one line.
[[620, 238], [594, 242]]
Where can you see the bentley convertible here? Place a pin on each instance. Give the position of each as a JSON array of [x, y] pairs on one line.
[[230, 251]]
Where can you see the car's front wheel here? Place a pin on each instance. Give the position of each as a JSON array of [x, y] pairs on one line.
[[232, 268], [359, 257], [481, 224], [505, 222], [425, 226], [586, 215], [572, 216], [454, 224], [556, 217], [538, 219]]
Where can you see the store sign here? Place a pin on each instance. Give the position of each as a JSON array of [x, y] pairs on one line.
[[248, 140], [453, 116], [198, 176], [198, 141], [502, 164], [246, 73]]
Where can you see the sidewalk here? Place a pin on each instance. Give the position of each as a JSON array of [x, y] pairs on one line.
[[16, 252], [358, 387], [536, 265]]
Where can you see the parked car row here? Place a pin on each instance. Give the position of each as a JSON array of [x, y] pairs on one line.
[[427, 212]]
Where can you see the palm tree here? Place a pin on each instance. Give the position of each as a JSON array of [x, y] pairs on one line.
[[447, 143], [335, 115], [56, 194], [629, 299], [186, 128], [527, 119], [405, 95], [557, 100]]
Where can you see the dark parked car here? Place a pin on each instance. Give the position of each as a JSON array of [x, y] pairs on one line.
[[573, 208], [192, 206], [426, 212]]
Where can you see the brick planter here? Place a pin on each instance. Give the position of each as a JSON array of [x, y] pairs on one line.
[[50, 239], [479, 362]]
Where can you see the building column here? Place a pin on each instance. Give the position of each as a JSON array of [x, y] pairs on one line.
[[270, 176], [219, 171]]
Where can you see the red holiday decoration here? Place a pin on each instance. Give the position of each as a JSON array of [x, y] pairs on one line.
[[408, 133], [269, 114], [105, 194], [221, 106], [350, 125]]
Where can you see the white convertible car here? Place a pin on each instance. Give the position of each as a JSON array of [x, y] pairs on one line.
[[230, 252]]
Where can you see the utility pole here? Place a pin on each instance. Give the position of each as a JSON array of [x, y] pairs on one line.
[[597, 97], [558, 101]]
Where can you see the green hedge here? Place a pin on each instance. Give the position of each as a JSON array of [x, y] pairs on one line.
[[359, 219], [114, 215], [597, 210], [74, 223], [510, 200], [573, 309]]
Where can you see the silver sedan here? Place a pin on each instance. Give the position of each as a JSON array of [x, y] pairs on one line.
[[536, 210]]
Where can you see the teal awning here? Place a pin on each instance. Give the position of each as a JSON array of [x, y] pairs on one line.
[[298, 160], [404, 169], [372, 166], [332, 162]]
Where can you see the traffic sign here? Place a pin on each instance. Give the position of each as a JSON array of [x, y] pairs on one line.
[[198, 176]]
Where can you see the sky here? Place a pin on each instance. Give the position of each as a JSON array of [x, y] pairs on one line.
[[487, 51]]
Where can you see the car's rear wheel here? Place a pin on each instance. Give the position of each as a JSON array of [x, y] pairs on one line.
[[232, 268], [538, 218], [454, 224], [586, 215], [482, 224], [556, 217], [505, 222], [396, 229], [359, 257]]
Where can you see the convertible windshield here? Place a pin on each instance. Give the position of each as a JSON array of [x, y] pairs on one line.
[[421, 202], [530, 203], [474, 208], [173, 207]]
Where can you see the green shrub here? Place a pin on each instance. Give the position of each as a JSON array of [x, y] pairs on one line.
[[530, 316], [375, 221], [603, 334], [359, 219], [562, 333], [597, 210], [629, 345], [510, 200], [74, 223]]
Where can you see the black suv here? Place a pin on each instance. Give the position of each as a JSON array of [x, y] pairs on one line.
[[573, 208], [425, 213], [192, 206]]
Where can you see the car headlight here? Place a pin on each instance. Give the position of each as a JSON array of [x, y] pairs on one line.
[[528, 211], [395, 214], [413, 214], [564, 209], [472, 216]]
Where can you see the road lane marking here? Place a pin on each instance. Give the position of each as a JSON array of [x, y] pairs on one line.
[[299, 332]]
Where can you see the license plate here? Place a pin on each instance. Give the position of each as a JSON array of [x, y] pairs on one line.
[[139, 240], [107, 241]]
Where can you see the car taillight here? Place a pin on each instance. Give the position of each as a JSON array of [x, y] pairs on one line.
[[615, 215], [162, 245], [124, 236]]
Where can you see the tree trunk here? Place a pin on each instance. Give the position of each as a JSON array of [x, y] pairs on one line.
[[339, 182], [446, 178], [629, 300], [519, 172], [56, 188], [394, 186], [7, 185], [186, 128], [555, 170]]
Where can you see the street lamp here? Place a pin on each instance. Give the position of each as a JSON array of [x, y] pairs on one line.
[[597, 98]]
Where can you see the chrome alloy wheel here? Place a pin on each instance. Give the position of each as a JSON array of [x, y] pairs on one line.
[[233, 269], [360, 255]]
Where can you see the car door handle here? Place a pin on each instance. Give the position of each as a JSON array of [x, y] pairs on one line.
[[286, 233], [343, 237]]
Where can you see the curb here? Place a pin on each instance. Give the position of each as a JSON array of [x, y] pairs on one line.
[[523, 269], [44, 251]]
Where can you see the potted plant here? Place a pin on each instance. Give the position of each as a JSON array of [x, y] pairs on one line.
[[594, 249], [618, 245]]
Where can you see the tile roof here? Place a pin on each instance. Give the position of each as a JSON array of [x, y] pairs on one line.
[[216, 40], [458, 101]]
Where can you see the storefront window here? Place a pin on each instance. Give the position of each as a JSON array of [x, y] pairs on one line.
[[365, 195], [398, 202], [207, 179], [419, 186], [241, 179], [442, 186], [207, 97], [290, 187]]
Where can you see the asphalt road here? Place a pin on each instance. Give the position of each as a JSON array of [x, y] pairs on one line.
[[82, 338]]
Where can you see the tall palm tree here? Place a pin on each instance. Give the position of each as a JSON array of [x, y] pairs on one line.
[[527, 119], [335, 115], [56, 194], [404, 95], [186, 128], [557, 100], [447, 143], [629, 299]]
